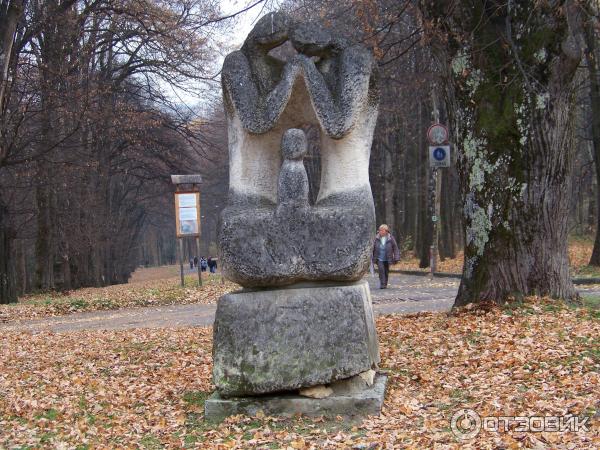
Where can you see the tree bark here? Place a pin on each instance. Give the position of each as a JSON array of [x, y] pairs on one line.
[[510, 100], [594, 81], [8, 289]]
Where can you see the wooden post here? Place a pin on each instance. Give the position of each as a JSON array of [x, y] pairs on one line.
[[181, 261], [198, 253]]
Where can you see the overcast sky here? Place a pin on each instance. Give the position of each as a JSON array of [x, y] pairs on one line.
[[237, 30]]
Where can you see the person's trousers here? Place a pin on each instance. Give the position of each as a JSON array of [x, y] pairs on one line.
[[384, 269]]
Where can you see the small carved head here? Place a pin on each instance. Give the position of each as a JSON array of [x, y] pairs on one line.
[[271, 31], [293, 144], [314, 40]]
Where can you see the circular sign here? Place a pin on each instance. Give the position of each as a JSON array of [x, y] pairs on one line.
[[439, 154], [437, 134]]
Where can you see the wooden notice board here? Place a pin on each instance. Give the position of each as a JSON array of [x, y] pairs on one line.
[[187, 213]]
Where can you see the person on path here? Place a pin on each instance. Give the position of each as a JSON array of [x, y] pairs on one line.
[[191, 263], [195, 261], [385, 252], [212, 265], [203, 264]]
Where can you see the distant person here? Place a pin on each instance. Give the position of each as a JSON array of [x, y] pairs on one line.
[[195, 261], [385, 251], [203, 264], [212, 265], [191, 263]]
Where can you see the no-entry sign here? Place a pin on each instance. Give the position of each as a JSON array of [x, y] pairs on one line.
[[437, 134]]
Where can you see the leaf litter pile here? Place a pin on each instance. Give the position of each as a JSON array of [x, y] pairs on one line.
[[144, 290], [146, 388]]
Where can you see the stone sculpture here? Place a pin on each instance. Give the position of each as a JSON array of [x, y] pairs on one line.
[[304, 319], [265, 97]]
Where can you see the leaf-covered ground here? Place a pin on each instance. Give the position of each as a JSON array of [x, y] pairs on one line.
[[146, 388], [580, 251], [149, 287], [448, 265]]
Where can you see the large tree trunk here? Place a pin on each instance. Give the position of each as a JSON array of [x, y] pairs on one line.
[[592, 65], [510, 98]]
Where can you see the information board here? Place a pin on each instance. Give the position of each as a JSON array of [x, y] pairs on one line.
[[187, 213]]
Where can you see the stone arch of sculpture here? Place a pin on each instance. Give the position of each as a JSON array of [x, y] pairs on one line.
[[328, 83]]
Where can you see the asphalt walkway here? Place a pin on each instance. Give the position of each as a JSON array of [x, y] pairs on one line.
[[405, 294]]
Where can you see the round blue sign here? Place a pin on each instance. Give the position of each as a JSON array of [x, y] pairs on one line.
[[439, 154]]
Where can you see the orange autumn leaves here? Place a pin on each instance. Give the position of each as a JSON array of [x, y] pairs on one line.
[[146, 388]]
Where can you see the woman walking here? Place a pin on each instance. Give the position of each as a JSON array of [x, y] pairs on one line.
[[385, 251]]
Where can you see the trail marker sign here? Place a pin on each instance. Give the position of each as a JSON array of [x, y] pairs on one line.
[[439, 156]]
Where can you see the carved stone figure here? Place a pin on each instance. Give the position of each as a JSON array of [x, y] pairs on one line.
[[293, 180], [328, 83]]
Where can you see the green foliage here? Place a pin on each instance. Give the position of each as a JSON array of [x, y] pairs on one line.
[[196, 398]]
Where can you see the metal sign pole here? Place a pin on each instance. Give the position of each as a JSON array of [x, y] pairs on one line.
[[436, 222], [437, 134]]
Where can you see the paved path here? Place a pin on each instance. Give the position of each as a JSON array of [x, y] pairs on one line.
[[405, 294]]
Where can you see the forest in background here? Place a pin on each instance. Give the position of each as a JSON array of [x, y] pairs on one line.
[[89, 136]]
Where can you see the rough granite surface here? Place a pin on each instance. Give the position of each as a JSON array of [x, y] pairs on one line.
[[268, 341]]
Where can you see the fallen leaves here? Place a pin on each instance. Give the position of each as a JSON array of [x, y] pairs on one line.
[[448, 265], [146, 388], [144, 290], [580, 252]]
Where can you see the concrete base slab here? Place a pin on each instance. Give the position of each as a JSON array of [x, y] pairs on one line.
[[366, 402]]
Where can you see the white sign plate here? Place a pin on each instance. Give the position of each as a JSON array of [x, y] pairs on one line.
[[439, 156]]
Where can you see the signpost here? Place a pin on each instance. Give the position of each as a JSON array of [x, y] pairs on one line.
[[187, 215], [439, 156]]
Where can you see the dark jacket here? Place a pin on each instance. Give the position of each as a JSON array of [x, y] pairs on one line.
[[391, 249]]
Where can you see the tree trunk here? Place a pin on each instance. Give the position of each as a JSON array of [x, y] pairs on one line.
[[510, 97], [44, 247], [592, 65], [8, 291]]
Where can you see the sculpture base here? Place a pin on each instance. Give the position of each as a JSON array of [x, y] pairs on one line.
[[355, 404], [276, 340], [278, 246]]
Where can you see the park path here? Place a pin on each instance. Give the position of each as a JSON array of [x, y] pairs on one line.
[[405, 294]]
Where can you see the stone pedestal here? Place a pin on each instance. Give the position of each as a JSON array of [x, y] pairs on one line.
[[365, 402], [277, 340]]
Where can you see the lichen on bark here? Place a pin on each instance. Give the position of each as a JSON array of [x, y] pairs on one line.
[[509, 96]]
